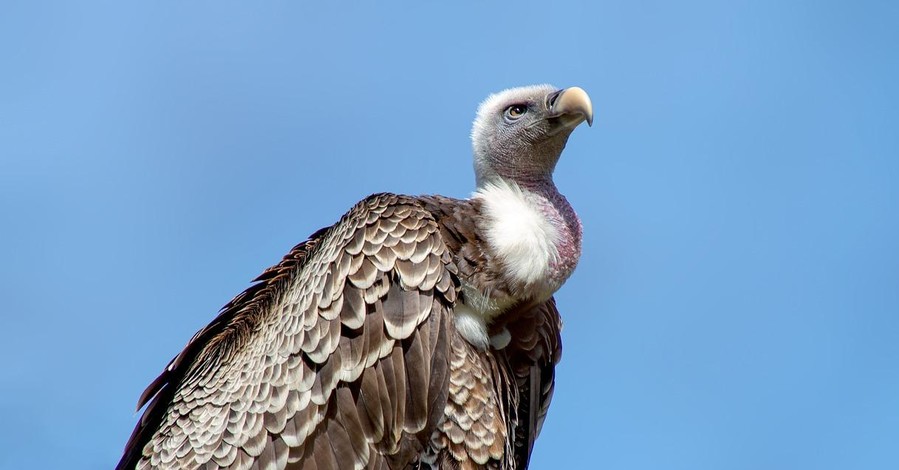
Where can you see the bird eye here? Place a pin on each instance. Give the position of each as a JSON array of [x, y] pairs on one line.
[[516, 111]]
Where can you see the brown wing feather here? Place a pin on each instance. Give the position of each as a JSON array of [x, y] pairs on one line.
[[336, 358], [532, 356]]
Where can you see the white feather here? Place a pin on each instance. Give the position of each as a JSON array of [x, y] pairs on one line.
[[471, 325], [518, 232], [501, 339]]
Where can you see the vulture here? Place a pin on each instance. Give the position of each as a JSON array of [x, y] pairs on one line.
[[416, 332]]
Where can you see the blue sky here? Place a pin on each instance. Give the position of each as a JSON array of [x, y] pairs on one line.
[[737, 303]]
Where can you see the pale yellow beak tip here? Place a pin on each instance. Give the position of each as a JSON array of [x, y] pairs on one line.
[[575, 99]]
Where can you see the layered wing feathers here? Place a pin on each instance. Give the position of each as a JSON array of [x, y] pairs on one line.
[[324, 357]]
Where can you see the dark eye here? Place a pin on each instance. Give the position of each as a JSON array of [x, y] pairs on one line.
[[516, 111]]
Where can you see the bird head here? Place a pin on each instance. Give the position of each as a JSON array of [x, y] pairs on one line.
[[519, 133]]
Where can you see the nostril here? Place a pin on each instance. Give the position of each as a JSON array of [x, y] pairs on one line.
[[552, 98]]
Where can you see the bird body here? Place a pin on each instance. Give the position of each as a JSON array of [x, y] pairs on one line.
[[415, 332]]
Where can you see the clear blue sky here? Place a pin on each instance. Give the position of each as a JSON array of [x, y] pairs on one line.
[[737, 304]]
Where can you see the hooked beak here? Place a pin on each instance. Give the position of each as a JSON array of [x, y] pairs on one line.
[[570, 107]]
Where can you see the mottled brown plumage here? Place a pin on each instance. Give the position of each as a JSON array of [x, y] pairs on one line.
[[348, 353]]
